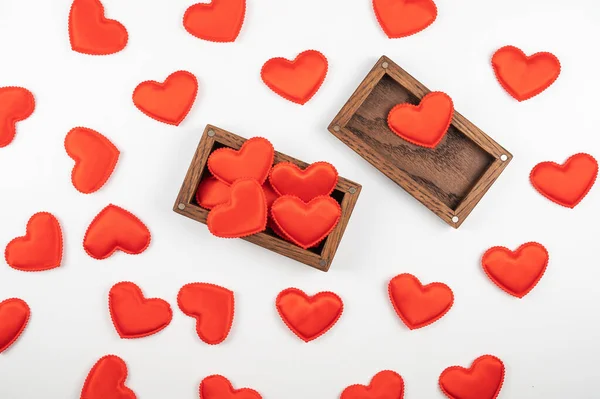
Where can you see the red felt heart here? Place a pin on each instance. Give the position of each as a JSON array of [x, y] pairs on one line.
[[516, 272], [253, 160], [113, 229], [425, 124], [106, 380], [212, 306], [217, 21], [91, 33], [219, 387], [400, 18], [95, 158], [167, 102], [317, 179], [418, 305], [309, 317], [135, 316], [14, 315], [212, 192], [483, 380], [16, 104], [386, 384], [40, 249], [524, 77], [296, 80]]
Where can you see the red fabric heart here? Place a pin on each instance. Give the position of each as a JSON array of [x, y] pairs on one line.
[[135, 316], [483, 380], [306, 224], [212, 306], [309, 317], [400, 18], [212, 192], [386, 384], [317, 179], [106, 380], [516, 272], [524, 77], [565, 184], [425, 124], [217, 21], [418, 305], [219, 387], [91, 33], [95, 158], [253, 160], [40, 249], [17, 104], [14, 315], [297, 80], [168, 102], [113, 229]]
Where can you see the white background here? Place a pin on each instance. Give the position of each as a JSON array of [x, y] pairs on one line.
[[548, 340]]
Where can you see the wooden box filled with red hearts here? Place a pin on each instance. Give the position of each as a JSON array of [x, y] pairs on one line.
[[305, 224], [450, 172]]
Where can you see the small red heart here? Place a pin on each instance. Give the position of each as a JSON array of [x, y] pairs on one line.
[[17, 104], [40, 249], [401, 18], [483, 380], [219, 387], [91, 33], [168, 102], [425, 124], [317, 179], [106, 380], [386, 384], [253, 160], [298, 80], [309, 317], [524, 77], [418, 305], [95, 158], [135, 316], [217, 21], [113, 229], [14, 315]]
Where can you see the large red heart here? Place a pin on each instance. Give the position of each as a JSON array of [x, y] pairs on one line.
[[95, 158], [16, 104], [217, 21], [212, 306], [309, 317], [386, 384], [219, 387], [14, 315], [253, 160], [167, 102], [40, 249], [483, 380], [106, 380], [297, 80], [135, 316], [565, 184], [319, 178], [418, 305], [91, 33], [400, 18], [113, 229], [212, 192], [425, 124], [524, 77]]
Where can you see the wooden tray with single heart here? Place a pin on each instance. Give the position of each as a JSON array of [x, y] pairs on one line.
[[449, 179], [346, 194]]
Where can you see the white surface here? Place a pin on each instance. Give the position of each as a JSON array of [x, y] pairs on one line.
[[548, 340]]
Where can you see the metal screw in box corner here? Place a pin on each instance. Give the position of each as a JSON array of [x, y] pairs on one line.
[[336, 128], [455, 219], [385, 65], [323, 263], [352, 190], [211, 133], [181, 206]]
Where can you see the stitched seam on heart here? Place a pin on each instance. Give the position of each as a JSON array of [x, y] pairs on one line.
[[410, 33], [197, 196], [31, 101], [123, 367], [370, 385], [231, 389], [213, 39], [337, 177], [18, 334], [228, 149], [463, 369]]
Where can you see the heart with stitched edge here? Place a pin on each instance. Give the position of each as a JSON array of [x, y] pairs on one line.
[[483, 380], [217, 21], [17, 104], [416, 304], [253, 160], [319, 178], [386, 384], [219, 387], [113, 229], [212, 192], [90, 32], [401, 18], [14, 315], [106, 380], [298, 80]]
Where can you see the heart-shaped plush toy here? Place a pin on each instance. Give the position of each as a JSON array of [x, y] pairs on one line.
[[483, 380], [400, 18], [253, 160], [113, 229], [319, 178], [524, 77], [219, 387], [297, 80], [212, 192], [91, 33], [418, 305], [40, 249], [212, 306], [167, 102], [217, 21], [386, 384], [106, 380], [14, 315], [425, 124], [17, 104]]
